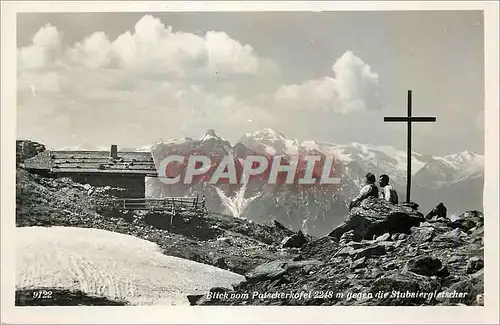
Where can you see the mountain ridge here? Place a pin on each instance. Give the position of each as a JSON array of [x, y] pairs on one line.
[[306, 143], [434, 178], [456, 178]]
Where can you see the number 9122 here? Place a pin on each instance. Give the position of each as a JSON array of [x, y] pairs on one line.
[[42, 294]]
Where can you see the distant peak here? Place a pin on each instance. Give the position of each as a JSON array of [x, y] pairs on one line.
[[465, 155], [268, 133], [468, 153], [211, 132], [268, 130]]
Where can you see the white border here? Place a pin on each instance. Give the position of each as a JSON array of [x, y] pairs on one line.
[[250, 314]]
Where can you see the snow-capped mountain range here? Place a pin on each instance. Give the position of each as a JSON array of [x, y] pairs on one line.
[[456, 180], [378, 159]]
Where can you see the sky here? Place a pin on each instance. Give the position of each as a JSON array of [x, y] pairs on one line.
[[93, 79]]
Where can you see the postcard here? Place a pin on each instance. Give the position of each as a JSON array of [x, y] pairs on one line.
[[249, 162]]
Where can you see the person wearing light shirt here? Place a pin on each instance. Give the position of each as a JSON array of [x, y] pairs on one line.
[[388, 193]]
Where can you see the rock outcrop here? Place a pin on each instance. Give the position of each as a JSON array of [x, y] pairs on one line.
[[414, 263], [26, 149], [439, 212], [374, 217], [469, 220], [296, 240]]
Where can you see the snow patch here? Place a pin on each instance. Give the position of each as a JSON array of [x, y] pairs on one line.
[[112, 265], [291, 147], [270, 150]]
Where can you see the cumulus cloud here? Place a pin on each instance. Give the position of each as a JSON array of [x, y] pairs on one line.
[[150, 48], [155, 82], [353, 87], [45, 48], [226, 54], [94, 52], [99, 114]]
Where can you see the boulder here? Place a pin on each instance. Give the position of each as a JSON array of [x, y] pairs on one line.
[[425, 265], [375, 250], [439, 212], [346, 237], [221, 263], [390, 266], [296, 240], [384, 237], [27, 149], [474, 264], [376, 217], [194, 299], [478, 235], [359, 263], [453, 237], [348, 250], [389, 245], [422, 234], [358, 244], [321, 249], [468, 220], [397, 237]]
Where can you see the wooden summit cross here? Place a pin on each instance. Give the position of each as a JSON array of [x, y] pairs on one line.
[[408, 119]]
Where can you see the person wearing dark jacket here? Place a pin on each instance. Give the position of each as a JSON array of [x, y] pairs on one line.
[[369, 190]]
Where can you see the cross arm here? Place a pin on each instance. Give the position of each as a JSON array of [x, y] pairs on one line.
[[409, 119]]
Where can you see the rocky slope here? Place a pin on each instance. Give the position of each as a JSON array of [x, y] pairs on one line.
[[378, 250], [220, 240], [381, 255]]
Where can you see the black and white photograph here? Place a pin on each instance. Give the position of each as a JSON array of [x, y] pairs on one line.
[[251, 158]]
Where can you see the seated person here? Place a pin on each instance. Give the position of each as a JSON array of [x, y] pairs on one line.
[[369, 190], [388, 193]]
